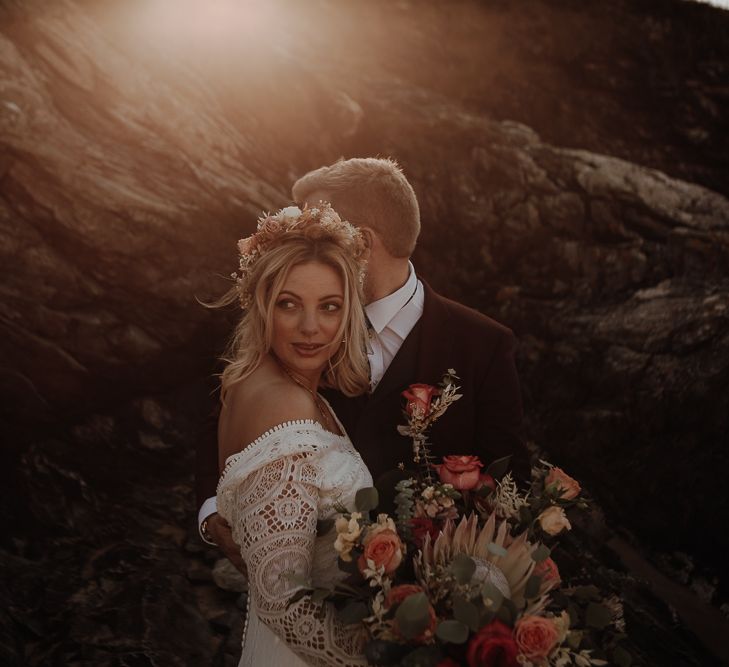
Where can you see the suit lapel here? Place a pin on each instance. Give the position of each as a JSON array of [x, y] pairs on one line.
[[436, 343], [427, 347]]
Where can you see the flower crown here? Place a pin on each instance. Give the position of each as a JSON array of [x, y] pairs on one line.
[[320, 222]]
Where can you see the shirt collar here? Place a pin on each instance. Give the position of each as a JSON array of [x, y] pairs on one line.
[[381, 312]]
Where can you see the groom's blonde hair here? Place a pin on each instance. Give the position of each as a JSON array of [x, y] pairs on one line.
[[369, 192]]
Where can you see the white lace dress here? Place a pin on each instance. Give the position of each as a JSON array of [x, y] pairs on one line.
[[272, 494]]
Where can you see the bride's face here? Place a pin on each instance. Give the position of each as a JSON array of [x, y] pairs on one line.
[[306, 317]]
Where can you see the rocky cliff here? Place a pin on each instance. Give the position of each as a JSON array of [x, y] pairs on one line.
[[570, 160]]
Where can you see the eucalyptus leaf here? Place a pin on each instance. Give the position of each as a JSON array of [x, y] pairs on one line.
[[323, 526], [348, 566], [541, 554], [413, 615], [574, 639], [452, 631], [492, 596], [380, 652], [496, 549], [462, 568], [585, 593], [525, 515], [302, 592], [320, 594], [598, 616], [531, 590], [366, 499], [498, 468], [466, 612], [423, 656], [353, 612], [621, 657], [507, 612]]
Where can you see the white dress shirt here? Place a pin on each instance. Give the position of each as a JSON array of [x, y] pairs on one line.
[[391, 318]]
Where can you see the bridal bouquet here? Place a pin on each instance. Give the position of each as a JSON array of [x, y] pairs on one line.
[[463, 573]]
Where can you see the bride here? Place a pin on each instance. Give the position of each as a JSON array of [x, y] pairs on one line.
[[286, 460]]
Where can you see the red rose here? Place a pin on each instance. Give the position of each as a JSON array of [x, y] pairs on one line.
[[447, 662], [418, 397], [463, 472], [547, 570], [493, 646], [422, 527]]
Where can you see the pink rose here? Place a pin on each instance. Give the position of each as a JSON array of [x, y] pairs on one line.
[[246, 245], [463, 472], [548, 571], [385, 549], [492, 646], [567, 487], [418, 397], [535, 636]]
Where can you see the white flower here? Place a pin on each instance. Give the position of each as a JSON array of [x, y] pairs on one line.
[[289, 212]]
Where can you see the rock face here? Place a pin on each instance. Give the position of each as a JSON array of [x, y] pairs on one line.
[[132, 159]]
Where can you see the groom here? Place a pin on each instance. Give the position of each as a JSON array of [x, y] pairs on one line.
[[414, 337]]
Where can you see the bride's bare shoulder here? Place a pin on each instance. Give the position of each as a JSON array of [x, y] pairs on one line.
[[255, 405]]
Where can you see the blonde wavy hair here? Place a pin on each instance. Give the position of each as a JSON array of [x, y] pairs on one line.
[[347, 370]]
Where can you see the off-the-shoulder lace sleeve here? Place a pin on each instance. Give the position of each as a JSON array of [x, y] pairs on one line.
[[273, 514]]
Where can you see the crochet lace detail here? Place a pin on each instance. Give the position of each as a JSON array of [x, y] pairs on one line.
[[272, 494]]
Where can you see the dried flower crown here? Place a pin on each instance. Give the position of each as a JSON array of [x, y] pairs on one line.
[[320, 222]]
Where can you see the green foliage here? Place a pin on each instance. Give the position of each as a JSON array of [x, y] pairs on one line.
[[353, 612], [598, 616], [492, 597], [498, 468], [413, 615], [466, 612], [541, 554], [452, 631], [496, 549], [531, 589], [462, 568], [366, 499]]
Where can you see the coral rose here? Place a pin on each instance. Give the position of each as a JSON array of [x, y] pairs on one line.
[[567, 488], [553, 520], [548, 571], [493, 646], [535, 636], [418, 398], [463, 472], [384, 549]]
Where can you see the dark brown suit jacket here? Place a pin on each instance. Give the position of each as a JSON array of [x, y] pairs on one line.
[[486, 421]]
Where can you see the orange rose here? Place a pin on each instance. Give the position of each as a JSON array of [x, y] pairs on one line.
[[418, 397], [385, 550], [463, 472], [567, 487], [535, 636]]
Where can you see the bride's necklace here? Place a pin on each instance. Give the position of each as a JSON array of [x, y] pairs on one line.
[[327, 420]]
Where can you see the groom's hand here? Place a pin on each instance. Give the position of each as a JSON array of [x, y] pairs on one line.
[[223, 536]]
